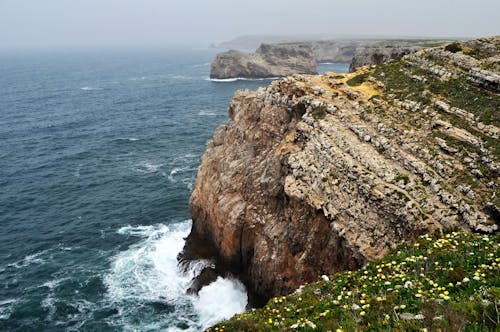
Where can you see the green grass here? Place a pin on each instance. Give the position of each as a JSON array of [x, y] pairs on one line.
[[461, 146], [449, 282], [476, 53], [400, 176], [457, 92], [319, 113], [357, 80], [401, 85]]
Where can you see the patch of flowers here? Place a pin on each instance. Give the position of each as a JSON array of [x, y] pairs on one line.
[[449, 282]]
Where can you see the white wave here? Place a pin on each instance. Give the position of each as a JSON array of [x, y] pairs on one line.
[[186, 156], [49, 303], [220, 300], [189, 184], [29, 260], [177, 170], [140, 231], [128, 139], [7, 307], [85, 312], [206, 64], [234, 79], [180, 170], [51, 284], [147, 273], [89, 88], [182, 77], [147, 167], [148, 270], [207, 113]]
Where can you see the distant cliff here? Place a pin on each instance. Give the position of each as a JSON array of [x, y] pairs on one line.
[[383, 51], [299, 57], [317, 174], [269, 60], [376, 55]]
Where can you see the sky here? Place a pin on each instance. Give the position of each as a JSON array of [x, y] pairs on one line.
[[82, 23]]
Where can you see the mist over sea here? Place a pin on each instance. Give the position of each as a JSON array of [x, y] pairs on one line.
[[98, 157]]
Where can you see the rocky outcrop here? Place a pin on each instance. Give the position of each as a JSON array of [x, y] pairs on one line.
[[376, 55], [337, 50], [316, 174], [274, 60]]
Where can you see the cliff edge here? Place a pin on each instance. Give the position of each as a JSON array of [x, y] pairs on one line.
[[318, 174], [269, 60], [376, 55]]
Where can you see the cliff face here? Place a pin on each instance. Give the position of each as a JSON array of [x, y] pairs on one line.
[[275, 60], [313, 175], [337, 50], [360, 52], [377, 55]]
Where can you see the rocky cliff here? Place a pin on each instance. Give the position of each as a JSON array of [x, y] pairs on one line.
[[316, 174], [284, 59], [337, 50], [376, 55], [274, 60]]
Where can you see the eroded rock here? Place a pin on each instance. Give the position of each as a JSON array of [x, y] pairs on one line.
[[269, 60], [311, 176]]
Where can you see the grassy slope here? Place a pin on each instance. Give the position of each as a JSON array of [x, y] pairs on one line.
[[449, 283]]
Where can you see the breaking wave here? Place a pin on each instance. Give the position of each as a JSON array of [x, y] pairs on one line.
[[147, 276]]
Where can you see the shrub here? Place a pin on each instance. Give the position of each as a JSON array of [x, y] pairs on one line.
[[319, 113], [357, 80], [453, 47]]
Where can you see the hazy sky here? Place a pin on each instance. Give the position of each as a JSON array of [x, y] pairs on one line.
[[49, 23]]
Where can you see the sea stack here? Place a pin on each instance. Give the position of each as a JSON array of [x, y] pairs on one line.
[[269, 60]]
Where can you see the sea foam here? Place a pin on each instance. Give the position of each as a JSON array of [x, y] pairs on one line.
[[228, 80], [147, 273], [220, 300], [90, 88], [147, 167]]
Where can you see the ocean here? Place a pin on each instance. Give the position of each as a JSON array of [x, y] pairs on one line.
[[98, 156]]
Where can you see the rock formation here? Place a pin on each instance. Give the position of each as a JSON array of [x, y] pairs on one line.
[[316, 174], [337, 50], [274, 60], [376, 55], [325, 48]]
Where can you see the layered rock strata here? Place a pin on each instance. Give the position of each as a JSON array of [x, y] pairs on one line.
[[376, 55], [275, 60], [316, 174]]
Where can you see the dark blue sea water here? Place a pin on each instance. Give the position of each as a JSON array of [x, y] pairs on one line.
[[98, 156]]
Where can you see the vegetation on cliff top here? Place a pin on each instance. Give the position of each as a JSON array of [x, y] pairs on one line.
[[449, 283], [432, 117]]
